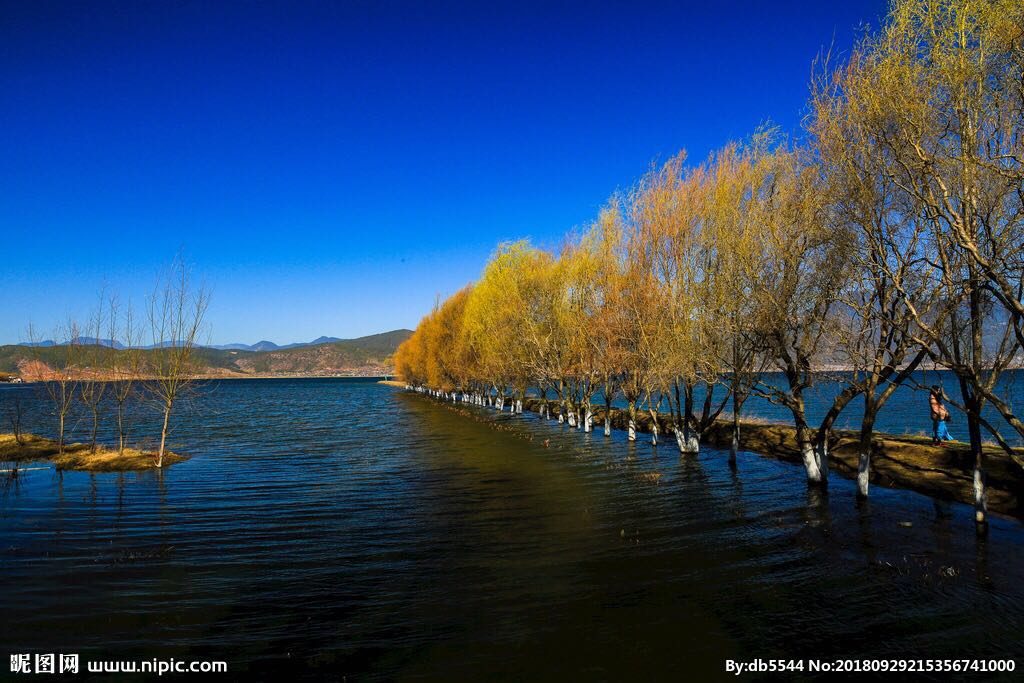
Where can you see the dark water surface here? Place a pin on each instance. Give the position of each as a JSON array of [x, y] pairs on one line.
[[331, 527]]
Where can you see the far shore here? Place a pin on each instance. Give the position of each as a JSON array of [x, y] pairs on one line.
[[207, 377], [78, 456]]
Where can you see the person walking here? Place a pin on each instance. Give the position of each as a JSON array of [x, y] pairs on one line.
[[940, 415]]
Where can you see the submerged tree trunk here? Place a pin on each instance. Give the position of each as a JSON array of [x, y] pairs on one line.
[[691, 444], [980, 476], [95, 428], [607, 414], [864, 458], [734, 447], [60, 435], [632, 420], [163, 435], [120, 428], [807, 451]]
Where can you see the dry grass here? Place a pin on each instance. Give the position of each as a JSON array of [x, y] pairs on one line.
[[78, 456], [392, 383]]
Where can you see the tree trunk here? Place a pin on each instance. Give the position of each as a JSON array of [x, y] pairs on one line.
[[980, 476], [867, 428], [691, 443], [95, 427], [735, 445], [163, 435], [680, 440], [607, 415], [807, 453], [120, 428], [632, 420]]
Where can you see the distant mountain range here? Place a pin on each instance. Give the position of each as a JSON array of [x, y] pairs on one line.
[[258, 346], [324, 356], [271, 346]]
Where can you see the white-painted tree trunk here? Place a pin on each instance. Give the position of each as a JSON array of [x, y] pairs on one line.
[[810, 463], [571, 418], [734, 447], [632, 429], [980, 497], [691, 444], [588, 424], [821, 453], [680, 442], [863, 474], [607, 424], [561, 418]]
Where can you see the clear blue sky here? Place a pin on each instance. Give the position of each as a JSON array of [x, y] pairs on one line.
[[332, 167]]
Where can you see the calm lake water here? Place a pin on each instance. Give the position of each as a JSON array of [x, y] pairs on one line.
[[906, 411], [332, 527]]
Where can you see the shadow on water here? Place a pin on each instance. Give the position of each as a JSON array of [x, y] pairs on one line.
[[347, 528]]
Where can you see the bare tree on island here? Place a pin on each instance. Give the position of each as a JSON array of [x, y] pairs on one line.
[[176, 310], [127, 364], [96, 357], [60, 383], [15, 417]]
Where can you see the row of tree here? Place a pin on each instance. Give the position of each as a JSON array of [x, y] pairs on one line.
[[96, 373], [889, 235]]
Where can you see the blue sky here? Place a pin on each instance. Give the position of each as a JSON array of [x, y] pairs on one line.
[[330, 168]]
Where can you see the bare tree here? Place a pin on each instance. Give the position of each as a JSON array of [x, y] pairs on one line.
[[59, 383], [96, 356], [126, 366], [176, 310], [15, 417]]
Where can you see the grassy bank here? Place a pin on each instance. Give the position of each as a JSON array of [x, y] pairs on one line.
[[897, 461], [392, 383], [78, 456]]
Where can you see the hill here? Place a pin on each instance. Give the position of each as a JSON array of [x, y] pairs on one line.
[[369, 356]]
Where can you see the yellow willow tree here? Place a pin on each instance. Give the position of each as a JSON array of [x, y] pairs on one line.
[[594, 272], [442, 337], [803, 269], [547, 329], [410, 363], [945, 94], [666, 218], [694, 244], [876, 336], [644, 331], [499, 321], [738, 178]]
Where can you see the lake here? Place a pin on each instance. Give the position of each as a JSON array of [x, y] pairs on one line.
[[340, 527]]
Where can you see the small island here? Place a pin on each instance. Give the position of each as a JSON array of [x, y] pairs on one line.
[[29, 448]]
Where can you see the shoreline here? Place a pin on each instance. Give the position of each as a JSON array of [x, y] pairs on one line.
[[908, 462]]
